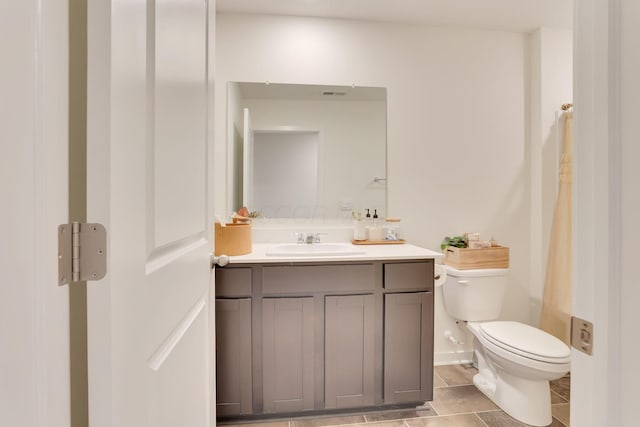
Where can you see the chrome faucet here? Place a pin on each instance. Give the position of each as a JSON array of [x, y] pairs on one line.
[[308, 238]]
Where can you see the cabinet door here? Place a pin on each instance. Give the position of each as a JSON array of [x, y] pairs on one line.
[[408, 347], [233, 357], [349, 348], [288, 354]]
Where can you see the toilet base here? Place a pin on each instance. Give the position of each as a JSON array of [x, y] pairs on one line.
[[525, 400], [519, 387]]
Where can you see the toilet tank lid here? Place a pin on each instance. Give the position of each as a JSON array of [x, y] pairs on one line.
[[481, 272]]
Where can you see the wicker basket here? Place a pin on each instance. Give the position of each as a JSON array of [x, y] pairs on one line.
[[468, 259], [232, 239]]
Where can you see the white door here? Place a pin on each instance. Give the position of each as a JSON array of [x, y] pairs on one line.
[[286, 169], [34, 310], [149, 319], [247, 161]]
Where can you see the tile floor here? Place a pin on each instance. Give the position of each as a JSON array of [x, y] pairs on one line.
[[456, 403]]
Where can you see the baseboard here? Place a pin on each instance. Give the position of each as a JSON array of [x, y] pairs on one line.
[[453, 358]]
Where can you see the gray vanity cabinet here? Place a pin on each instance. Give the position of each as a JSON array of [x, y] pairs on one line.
[[288, 354], [349, 351], [297, 337], [408, 332]]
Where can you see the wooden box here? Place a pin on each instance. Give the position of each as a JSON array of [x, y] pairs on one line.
[[468, 259], [232, 239]]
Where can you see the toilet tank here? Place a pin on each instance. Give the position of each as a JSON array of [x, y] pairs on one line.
[[474, 295]]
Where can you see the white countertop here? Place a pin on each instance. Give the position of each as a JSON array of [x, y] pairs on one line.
[[404, 251]]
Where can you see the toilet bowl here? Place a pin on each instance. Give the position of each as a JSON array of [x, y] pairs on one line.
[[515, 361]]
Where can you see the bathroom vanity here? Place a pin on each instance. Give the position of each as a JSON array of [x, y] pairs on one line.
[[310, 333]]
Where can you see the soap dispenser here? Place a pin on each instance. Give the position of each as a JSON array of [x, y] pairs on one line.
[[375, 232], [359, 227]]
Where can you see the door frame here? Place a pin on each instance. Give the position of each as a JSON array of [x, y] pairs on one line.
[[34, 331], [604, 286]]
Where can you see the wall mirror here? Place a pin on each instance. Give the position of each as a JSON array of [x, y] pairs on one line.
[[306, 151]]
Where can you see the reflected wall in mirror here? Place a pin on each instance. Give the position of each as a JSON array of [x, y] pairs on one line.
[[306, 151]]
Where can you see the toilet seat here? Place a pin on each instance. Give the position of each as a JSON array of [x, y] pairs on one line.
[[525, 341]]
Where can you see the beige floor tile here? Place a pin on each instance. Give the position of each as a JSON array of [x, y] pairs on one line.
[[268, 424], [562, 386], [427, 411], [391, 423], [556, 398], [501, 419], [456, 374], [328, 421], [561, 412], [460, 399], [437, 381], [463, 420]]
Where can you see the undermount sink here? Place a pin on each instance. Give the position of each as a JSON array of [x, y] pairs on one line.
[[313, 249]]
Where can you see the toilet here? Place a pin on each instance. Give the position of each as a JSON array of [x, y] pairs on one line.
[[515, 361]]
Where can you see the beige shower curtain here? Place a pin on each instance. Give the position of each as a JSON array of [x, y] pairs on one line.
[[556, 300]]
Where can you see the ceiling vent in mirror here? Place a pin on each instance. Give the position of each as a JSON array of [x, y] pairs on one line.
[[332, 93]]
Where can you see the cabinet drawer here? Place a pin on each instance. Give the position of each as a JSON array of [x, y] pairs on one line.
[[409, 276], [233, 282], [313, 278]]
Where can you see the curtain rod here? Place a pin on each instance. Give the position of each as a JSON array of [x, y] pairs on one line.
[[566, 107]]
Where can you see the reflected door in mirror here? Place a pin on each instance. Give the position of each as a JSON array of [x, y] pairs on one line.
[[285, 173]]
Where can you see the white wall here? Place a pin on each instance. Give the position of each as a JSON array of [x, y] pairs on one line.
[[457, 122], [551, 77]]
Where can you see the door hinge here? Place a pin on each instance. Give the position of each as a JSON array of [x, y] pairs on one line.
[[82, 252], [582, 335]]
